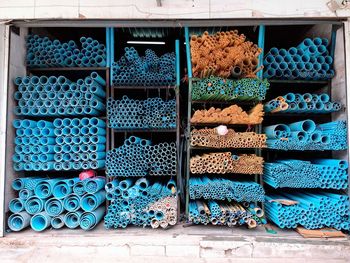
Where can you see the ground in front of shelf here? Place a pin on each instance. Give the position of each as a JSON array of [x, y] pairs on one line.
[[177, 244]]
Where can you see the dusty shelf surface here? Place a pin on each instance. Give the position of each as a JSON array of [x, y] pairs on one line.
[[188, 244]]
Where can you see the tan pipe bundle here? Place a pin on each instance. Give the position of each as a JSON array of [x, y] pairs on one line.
[[219, 54], [230, 115], [210, 138], [168, 208], [222, 163]]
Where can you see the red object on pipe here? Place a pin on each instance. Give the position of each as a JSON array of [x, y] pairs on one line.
[[87, 174]]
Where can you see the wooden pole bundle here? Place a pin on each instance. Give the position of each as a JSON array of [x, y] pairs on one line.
[[210, 138], [230, 115], [225, 162], [224, 54]]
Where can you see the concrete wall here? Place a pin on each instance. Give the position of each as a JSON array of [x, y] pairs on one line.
[[148, 9]]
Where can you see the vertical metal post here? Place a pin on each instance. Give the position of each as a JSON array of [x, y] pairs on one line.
[[111, 47], [261, 44], [333, 40], [107, 47]]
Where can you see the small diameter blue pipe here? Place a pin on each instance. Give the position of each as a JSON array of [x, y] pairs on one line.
[[188, 53], [108, 49]]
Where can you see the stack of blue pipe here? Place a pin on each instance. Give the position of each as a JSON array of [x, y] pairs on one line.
[[137, 157], [223, 189], [44, 203], [302, 103], [35, 142], [318, 173], [229, 214], [312, 211], [306, 135], [65, 144], [140, 203], [150, 70], [80, 143], [153, 113], [58, 96], [43, 53], [309, 60]]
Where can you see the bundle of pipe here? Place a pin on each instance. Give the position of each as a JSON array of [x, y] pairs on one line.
[[224, 54], [43, 53], [306, 135], [223, 189], [213, 139], [65, 144], [150, 70], [137, 157], [141, 114], [318, 173], [230, 115], [225, 162], [140, 203], [35, 141], [80, 143], [302, 103], [311, 210], [58, 96], [309, 60], [44, 203], [227, 214], [220, 89]]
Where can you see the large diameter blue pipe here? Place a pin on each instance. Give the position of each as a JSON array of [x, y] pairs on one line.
[[61, 190], [54, 207], [40, 221], [19, 221], [93, 185], [57, 222], [89, 220], [72, 219], [307, 126], [90, 202], [16, 205], [276, 131], [71, 203]]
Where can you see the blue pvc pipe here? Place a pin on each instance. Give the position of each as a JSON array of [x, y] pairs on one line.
[[90, 202], [40, 221], [72, 202], [19, 221], [188, 53], [89, 220], [54, 207]]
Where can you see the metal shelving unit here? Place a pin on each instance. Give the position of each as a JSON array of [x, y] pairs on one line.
[[205, 104], [171, 91]]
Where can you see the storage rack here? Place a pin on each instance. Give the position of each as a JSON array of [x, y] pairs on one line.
[[205, 104], [166, 91], [280, 87]]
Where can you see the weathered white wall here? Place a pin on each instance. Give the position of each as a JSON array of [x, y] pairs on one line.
[[171, 9]]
